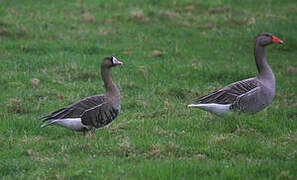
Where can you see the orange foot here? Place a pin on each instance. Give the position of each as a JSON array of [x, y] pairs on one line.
[[92, 135]]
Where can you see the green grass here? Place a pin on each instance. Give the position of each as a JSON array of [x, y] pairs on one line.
[[204, 45]]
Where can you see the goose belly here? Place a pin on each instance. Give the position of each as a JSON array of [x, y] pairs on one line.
[[72, 123]]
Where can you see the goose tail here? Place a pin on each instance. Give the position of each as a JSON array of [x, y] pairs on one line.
[[52, 121], [218, 109]]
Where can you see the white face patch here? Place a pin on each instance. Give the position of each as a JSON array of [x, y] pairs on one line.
[[114, 60]]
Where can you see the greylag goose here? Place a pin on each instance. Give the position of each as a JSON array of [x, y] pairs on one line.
[[249, 95], [92, 112]]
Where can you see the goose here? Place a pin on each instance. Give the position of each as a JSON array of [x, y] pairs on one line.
[[92, 112], [246, 96]]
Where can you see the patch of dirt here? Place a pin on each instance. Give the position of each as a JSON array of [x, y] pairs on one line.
[[128, 52], [207, 25], [157, 53], [190, 8], [34, 82], [170, 15], [60, 97], [88, 17], [292, 70], [16, 105], [172, 148], [219, 9], [24, 30], [137, 15], [154, 150], [251, 21], [102, 31], [3, 32], [108, 21], [30, 152], [200, 156], [143, 70]]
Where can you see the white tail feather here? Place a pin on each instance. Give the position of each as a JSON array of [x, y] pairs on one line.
[[218, 109], [70, 123]]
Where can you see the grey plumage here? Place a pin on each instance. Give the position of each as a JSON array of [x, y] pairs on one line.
[[244, 96], [249, 95]]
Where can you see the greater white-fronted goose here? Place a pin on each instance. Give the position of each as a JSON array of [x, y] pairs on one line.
[[249, 95], [92, 112]]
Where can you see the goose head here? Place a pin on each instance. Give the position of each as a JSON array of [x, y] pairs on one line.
[[265, 39], [110, 61]]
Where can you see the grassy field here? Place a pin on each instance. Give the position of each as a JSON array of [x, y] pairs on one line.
[[50, 55]]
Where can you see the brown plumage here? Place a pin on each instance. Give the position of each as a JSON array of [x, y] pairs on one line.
[[92, 112]]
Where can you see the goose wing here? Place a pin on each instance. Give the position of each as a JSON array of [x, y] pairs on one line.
[[229, 94], [247, 101], [99, 115], [77, 109]]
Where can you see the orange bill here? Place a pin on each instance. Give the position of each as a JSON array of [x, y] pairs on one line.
[[276, 40]]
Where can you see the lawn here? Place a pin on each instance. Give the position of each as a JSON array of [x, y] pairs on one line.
[[173, 51]]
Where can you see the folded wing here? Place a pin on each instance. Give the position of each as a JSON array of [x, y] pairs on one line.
[[99, 115], [77, 109], [230, 93]]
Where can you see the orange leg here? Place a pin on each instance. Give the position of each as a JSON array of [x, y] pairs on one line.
[[92, 135]]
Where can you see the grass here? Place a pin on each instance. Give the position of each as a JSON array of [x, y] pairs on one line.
[[50, 54]]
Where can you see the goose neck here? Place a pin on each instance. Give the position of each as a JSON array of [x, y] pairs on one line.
[[110, 86]]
